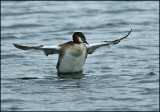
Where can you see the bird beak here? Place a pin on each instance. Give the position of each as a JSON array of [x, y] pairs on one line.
[[86, 42]]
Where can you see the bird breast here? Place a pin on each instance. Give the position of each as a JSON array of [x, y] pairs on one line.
[[77, 50], [73, 59]]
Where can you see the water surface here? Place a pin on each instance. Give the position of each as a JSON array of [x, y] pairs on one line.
[[122, 77]]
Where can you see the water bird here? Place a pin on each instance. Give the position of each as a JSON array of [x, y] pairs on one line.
[[72, 54]]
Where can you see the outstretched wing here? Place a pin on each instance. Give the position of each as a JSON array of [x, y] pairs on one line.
[[92, 47], [47, 49]]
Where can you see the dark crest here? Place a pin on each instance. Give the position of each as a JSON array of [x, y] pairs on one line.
[[80, 34]]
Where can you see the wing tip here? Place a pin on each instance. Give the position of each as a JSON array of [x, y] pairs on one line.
[[16, 45], [130, 31], [20, 47]]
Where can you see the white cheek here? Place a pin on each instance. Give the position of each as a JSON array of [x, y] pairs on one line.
[[80, 40]]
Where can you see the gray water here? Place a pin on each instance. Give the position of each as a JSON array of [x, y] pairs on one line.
[[122, 77]]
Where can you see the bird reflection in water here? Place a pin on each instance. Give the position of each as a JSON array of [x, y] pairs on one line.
[[77, 75]]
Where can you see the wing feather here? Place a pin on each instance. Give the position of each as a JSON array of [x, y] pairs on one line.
[[92, 47], [47, 49]]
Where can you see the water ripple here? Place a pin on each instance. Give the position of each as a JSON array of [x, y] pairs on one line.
[[8, 37], [11, 100], [132, 47], [127, 10], [26, 13], [22, 26], [6, 56]]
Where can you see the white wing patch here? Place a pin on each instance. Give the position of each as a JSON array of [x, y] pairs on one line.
[[92, 47], [47, 49]]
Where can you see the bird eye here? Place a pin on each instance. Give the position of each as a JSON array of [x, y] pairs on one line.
[[82, 39]]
